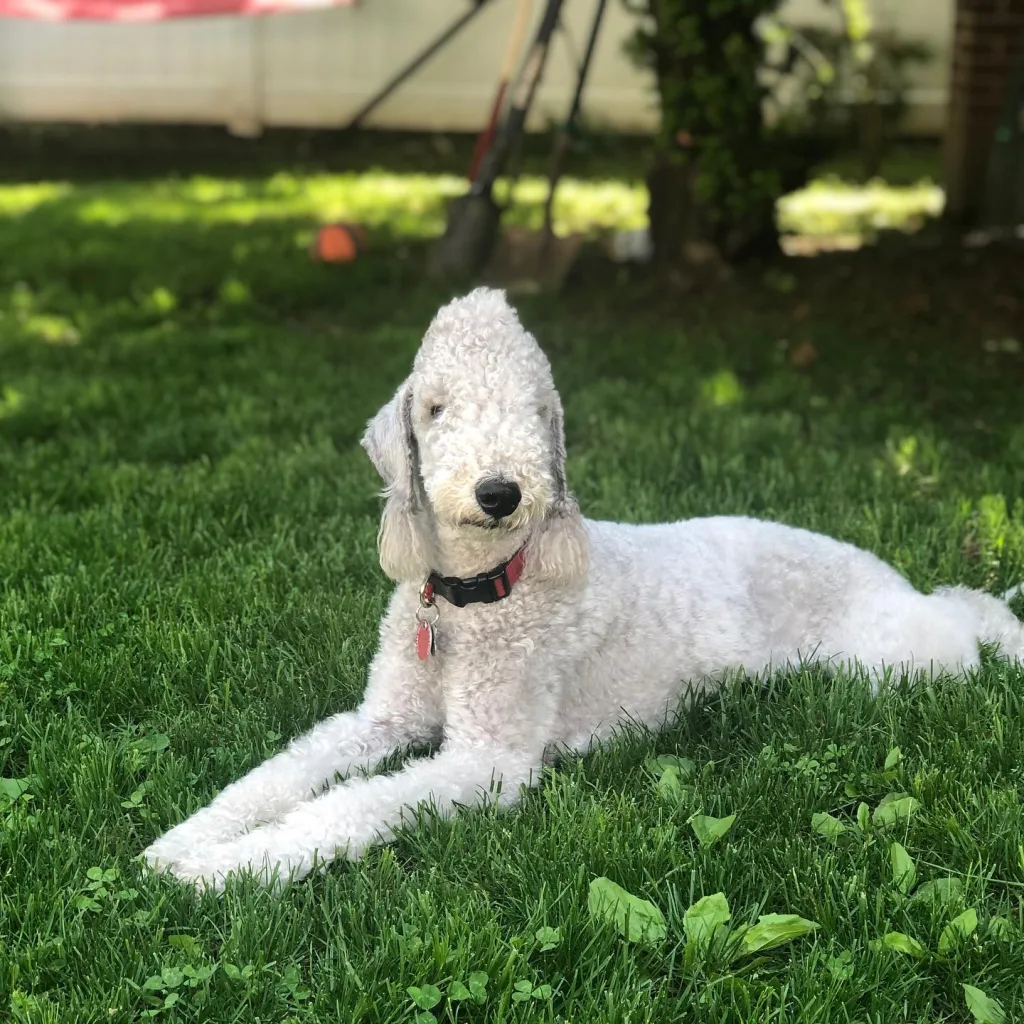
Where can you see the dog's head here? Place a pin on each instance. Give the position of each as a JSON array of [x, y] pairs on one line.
[[472, 446]]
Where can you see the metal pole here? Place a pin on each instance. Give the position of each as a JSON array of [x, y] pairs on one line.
[[562, 142], [416, 63]]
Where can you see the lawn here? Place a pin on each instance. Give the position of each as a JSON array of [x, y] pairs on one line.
[[188, 578]]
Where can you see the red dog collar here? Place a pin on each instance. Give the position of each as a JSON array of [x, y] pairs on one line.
[[485, 588]]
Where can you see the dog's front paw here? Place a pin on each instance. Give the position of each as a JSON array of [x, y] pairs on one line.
[[191, 840], [209, 871], [185, 860], [180, 843], [185, 867], [202, 877], [162, 855]]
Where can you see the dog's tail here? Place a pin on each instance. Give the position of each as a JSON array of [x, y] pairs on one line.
[[999, 625], [993, 619], [1002, 626]]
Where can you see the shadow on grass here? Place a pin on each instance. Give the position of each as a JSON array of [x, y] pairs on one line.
[[143, 152]]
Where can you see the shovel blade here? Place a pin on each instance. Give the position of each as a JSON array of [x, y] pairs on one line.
[[464, 248]]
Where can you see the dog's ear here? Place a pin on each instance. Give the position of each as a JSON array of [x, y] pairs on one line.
[[560, 550], [391, 444]]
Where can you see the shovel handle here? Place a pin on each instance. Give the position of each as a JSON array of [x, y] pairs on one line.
[[519, 106]]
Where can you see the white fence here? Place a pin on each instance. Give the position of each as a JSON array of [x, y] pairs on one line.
[[314, 69]]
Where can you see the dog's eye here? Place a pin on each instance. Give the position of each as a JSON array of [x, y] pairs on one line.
[[435, 411]]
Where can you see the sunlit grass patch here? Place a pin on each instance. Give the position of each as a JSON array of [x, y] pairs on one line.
[[415, 205], [19, 199], [833, 207], [404, 204]]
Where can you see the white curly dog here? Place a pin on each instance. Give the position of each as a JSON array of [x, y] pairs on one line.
[[519, 628]]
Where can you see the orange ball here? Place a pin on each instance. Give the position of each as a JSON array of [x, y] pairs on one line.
[[339, 243]]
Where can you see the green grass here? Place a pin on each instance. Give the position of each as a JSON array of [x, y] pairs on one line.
[[189, 579]]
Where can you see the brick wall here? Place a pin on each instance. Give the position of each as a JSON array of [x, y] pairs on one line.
[[987, 37]]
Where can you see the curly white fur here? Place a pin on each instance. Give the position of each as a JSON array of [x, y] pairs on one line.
[[608, 622]]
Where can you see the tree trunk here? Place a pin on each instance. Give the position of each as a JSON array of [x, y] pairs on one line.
[[871, 125], [674, 212], [712, 186]]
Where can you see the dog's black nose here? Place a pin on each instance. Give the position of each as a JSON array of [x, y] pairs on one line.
[[498, 498]]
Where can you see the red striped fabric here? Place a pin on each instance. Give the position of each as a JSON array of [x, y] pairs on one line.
[[134, 11]]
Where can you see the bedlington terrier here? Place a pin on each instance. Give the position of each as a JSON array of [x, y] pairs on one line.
[[519, 628]]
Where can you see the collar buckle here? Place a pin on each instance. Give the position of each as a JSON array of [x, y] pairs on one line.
[[484, 588]]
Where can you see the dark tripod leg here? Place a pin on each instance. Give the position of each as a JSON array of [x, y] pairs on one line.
[[415, 64]]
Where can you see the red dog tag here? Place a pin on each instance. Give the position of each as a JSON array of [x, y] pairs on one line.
[[424, 640]]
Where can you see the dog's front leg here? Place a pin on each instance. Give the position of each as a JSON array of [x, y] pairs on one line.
[[402, 706], [497, 730], [362, 812]]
